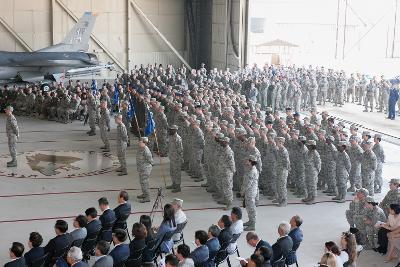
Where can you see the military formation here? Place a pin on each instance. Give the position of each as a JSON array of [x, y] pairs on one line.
[[239, 133]]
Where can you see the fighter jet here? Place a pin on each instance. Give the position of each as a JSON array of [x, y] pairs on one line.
[[54, 63]]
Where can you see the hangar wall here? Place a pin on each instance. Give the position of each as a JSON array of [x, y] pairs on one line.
[[121, 33]]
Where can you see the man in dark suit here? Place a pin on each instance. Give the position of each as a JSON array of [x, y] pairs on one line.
[[74, 258], [254, 241], [121, 251], [297, 237], [284, 244], [36, 251], [93, 225], [107, 220], [60, 243], [213, 243], [102, 259], [16, 251], [201, 253], [123, 211], [225, 235]]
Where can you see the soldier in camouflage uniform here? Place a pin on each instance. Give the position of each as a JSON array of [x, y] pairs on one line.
[[343, 167], [373, 215], [312, 168], [104, 125], [121, 138], [197, 143], [226, 169], [162, 132], [368, 167], [240, 157], [175, 158], [355, 154], [369, 97], [249, 191], [38, 103], [321, 148], [392, 196], [125, 118], [12, 136], [380, 159], [30, 102], [299, 155], [92, 112], [330, 155], [144, 162], [356, 211], [269, 162], [282, 169]]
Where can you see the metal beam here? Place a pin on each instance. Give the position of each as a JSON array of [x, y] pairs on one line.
[[139, 10], [94, 38], [128, 35], [15, 35]]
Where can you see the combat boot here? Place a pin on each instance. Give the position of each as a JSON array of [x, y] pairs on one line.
[[141, 196], [199, 180], [13, 163], [106, 150], [275, 201], [222, 202], [250, 227], [177, 189], [92, 133], [306, 199], [351, 189], [144, 200], [282, 204], [311, 201], [247, 223], [122, 173], [171, 186], [228, 205], [336, 198], [204, 185]]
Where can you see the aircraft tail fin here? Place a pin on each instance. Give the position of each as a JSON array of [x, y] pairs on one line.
[[77, 40]]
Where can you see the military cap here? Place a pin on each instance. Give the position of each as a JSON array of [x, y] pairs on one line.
[[225, 139], [224, 122], [302, 138], [252, 158], [287, 109], [231, 126], [311, 126], [394, 181], [323, 132], [342, 143], [377, 136], [331, 137], [313, 109], [324, 112], [280, 139], [370, 199], [353, 127], [368, 142], [341, 124], [256, 126], [295, 131], [271, 134], [366, 133], [144, 139], [268, 109], [173, 127], [306, 119], [220, 135], [296, 114], [311, 143], [345, 133], [240, 131], [363, 191], [251, 139]]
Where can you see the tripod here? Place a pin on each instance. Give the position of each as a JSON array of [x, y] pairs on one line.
[[157, 203]]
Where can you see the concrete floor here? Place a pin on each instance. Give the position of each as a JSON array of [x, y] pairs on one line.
[[33, 203]]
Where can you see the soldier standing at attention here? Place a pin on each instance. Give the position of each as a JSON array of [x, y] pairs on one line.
[[368, 167], [125, 118], [92, 113], [104, 125], [249, 191], [380, 159], [12, 135], [144, 161], [355, 153], [343, 167], [312, 168], [282, 170], [175, 158], [226, 170], [122, 138]]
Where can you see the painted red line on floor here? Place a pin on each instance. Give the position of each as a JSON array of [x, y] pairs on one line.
[[85, 191], [157, 211]]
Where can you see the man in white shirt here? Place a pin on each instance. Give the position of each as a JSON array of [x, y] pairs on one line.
[[180, 216], [236, 226]]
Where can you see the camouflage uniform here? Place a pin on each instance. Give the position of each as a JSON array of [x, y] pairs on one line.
[[269, 163], [12, 136], [197, 142], [313, 167], [227, 168], [355, 155], [380, 159], [343, 167], [175, 160], [122, 139], [92, 111], [144, 161], [331, 169], [299, 154], [392, 197], [249, 189], [375, 215], [368, 168], [104, 125], [282, 169]]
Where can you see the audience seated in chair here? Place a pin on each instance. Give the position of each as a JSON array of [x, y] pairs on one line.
[[107, 220], [254, 241], [180, 216], [171, 261], [349, 249], [16, 251], [213, 244], [102, 257], [138, 243], [168, 225], [122, 211], [255, 261], [80, 231], [297, 237], [283, 246], [183, 255], [93, 225], [74, 257], [236, 227], [200, 254], [36, 251], [266, 253], [120, 251], [225, 234], [60, 243], [328, 260]]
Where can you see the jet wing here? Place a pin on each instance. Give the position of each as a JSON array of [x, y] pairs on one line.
[[29, 76]]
